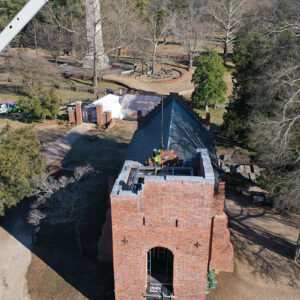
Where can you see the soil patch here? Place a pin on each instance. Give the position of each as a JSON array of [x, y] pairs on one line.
[[264, 243]]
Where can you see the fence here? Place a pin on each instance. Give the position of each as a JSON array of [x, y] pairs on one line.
[[89, 115]]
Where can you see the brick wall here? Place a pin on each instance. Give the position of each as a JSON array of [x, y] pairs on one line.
[[161, 203], [71, 114], [222, 250], [78, 112]]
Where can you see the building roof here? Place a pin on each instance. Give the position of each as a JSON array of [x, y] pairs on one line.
[[182, 132]]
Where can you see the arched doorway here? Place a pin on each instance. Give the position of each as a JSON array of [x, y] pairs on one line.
[[159, 273]]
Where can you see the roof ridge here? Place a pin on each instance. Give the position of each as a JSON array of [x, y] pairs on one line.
[[143, 120], [184, 103]]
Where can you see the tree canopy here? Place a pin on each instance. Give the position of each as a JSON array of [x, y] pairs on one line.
[[210, 86], [20, 164], [40, 105], [264, 112]]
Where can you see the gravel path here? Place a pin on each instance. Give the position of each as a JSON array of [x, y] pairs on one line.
[[183, 86], [56, 151]]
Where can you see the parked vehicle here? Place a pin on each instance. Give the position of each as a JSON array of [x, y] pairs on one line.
[[10, 107]]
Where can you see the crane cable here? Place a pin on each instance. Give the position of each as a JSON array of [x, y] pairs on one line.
[[162, 130], [162, 123]]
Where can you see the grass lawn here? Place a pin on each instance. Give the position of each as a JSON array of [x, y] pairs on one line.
[[8, 93], [216, 115], [12, 123], [67, 95], [9, 97], [105, 152], [46, 284]]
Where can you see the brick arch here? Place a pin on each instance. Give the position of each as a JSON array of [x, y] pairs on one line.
[[160, 268], [161, 245]]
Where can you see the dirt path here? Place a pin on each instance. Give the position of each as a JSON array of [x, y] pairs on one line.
[[55, 151], [264, 244], [15, 256], [181, 86]]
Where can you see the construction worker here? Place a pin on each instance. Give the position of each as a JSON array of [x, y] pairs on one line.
[[156, 157]]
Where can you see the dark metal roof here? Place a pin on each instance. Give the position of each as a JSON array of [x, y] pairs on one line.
[[182, 131]]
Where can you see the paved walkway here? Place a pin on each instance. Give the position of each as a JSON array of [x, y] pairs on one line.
[[56, 151], [15, 256]]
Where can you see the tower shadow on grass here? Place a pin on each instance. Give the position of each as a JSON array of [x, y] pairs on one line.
[[56, 246]]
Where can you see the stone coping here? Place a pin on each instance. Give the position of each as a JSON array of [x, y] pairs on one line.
[[120, 187]]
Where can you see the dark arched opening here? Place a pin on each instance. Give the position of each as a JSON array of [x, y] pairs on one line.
[[159, 273]]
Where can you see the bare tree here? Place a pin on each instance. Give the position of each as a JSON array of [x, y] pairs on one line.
[[228, 15], [157, 25], [190, 26], [28, 69], [283, 17], [32, 33], [119, 25], [275, 123], [64, 201]]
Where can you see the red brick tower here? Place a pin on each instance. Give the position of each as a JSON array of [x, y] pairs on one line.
[[169, 229]]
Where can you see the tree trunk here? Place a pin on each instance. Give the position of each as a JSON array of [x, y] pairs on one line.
[[206, 107], [95, 71], [153, 58], [225, 53], [142, 67], [119, 53], [190, 60]]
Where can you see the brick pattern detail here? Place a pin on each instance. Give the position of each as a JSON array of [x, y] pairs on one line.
[[71, 114], [78, 112], [161, 203]]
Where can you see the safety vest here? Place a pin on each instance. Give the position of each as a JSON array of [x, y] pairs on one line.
[[157, 157]]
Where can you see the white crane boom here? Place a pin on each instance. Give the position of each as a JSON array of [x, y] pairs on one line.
[[31, 8]]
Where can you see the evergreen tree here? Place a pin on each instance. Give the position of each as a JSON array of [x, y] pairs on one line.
[[208, 79], [20, 164], [247, 64], [8, 9], [41, 105]]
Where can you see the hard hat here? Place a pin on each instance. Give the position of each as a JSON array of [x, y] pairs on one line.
[[155, 149]]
